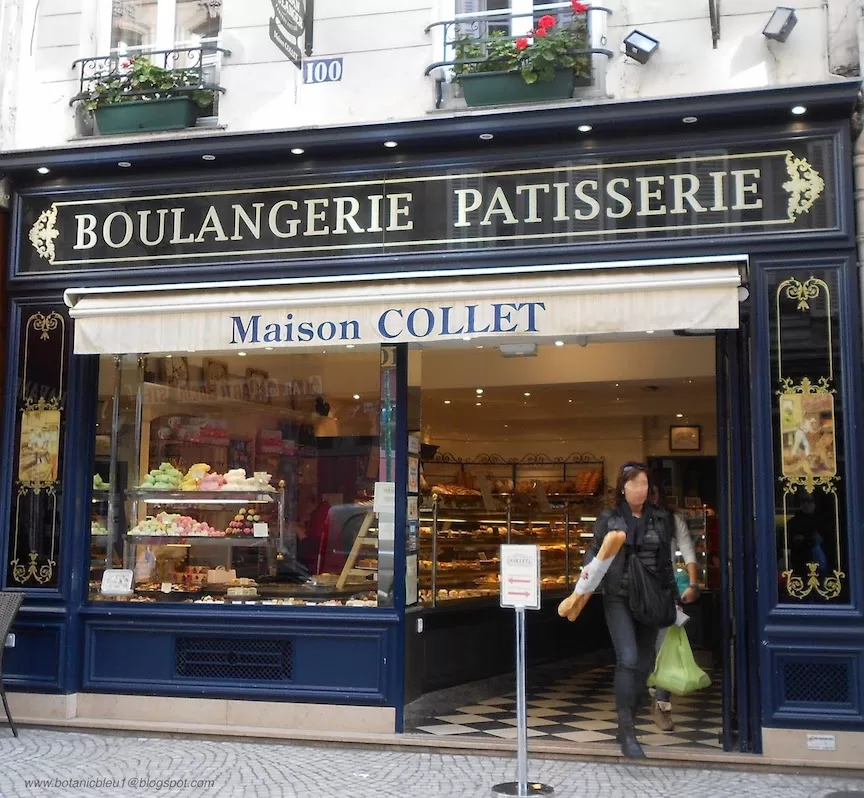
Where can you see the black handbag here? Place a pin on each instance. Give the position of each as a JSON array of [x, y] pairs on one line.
[[651, 603]]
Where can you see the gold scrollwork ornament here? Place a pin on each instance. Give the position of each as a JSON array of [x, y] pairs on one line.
[[43, 233], [829, 588], [805, 186], [45, 325], [802, 293], [41, 573]]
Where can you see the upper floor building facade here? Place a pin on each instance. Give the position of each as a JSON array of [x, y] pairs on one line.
[[385, 60]]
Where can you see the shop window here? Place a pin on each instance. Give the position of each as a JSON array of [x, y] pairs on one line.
[[808, 422], [40, 413], [242, 479]]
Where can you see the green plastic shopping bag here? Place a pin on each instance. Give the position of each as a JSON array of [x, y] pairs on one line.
[[675, 669]]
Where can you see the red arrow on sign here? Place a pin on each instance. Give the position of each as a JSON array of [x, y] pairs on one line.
[[512, 580], [520, 593]]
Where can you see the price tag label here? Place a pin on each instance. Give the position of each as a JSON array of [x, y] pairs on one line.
[[117, 582], [260, 530]]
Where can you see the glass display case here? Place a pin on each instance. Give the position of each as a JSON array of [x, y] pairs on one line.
[[460, 547], [214, 489]]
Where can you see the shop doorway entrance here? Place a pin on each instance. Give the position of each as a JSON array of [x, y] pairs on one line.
[[523, 445]]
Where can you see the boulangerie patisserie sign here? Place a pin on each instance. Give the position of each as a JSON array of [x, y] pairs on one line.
[[578, 200]]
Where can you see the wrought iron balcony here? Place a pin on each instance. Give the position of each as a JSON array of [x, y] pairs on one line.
[[194, 67], [474, 33]]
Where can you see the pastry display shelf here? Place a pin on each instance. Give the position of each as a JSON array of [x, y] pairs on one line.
[[193, 497], [181, 540]]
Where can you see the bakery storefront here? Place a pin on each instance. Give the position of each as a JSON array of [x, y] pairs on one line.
[[269, 433]]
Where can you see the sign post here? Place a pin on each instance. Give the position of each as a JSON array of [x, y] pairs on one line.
[[520, 590]]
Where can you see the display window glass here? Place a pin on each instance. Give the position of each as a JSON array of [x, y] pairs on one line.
[[241, 479]]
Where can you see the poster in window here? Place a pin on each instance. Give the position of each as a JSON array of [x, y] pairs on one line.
[[40, 446], [807, 433]]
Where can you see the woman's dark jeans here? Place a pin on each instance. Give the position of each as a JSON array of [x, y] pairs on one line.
[[634, 652]]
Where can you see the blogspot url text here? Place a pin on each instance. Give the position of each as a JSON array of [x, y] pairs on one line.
[[132, 783]]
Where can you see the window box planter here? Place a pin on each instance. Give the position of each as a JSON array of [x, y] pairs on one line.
[[141, 116], [501, 88]]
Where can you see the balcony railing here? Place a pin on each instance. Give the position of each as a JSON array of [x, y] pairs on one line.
[[483, 27], [199, 65]]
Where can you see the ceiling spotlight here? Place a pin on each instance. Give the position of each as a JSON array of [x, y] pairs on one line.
[[269, 348], [690, 120], [297, 150], [527, 393], [349, 346], [43, 170], [124, 164], [799, 110], [479, 392], [570, 401], [466, 337], [679, 415], [649, 332], [559, 343], [208, 157], [479, 404], [356, 395], [391, 144], [487, 136], [639, 46], [782, 21], [241, 354], [585, 128], [446, 401]]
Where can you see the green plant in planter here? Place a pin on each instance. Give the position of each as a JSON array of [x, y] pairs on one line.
[[141, 80], [537, 58]]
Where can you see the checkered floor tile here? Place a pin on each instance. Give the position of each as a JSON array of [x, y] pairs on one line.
[[581, 708]]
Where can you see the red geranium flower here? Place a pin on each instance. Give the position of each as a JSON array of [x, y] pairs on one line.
[[546, 22], [126, 64], [541, 32], [579, 8], [521, 44]]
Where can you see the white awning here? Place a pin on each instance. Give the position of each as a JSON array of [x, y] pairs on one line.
[[217, 318]]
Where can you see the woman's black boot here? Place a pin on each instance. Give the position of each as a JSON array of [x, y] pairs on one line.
[[627, 735]]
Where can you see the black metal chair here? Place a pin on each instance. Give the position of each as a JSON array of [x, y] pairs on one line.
[[9, 605]]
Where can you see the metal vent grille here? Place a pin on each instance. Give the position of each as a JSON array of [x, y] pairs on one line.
[[817, 683], [234, 659]]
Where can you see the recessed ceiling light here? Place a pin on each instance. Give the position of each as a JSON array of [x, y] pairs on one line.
[[479, 392], [241, 354], [559, 343], [356, 395], [466, 337], [297, 150], [479, 404], [585, 128], [43, 170], [527, 393], [268, 348], [350, 346], [570, 401], [679, 415], [690, 120], [506, 426], [168, 357], [479, 346], [616, 384], [208, 157], [487, 136], [191, 351], [124, 164], [798, 110], [649, 332], [446, 401], [391, 144]]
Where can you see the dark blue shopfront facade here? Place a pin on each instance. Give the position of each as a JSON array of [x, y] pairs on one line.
[[777, 195]]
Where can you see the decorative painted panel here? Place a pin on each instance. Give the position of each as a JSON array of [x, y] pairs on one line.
[[808, 421], [40, 403]]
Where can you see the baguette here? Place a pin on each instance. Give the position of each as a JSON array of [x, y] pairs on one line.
[[576, 601]]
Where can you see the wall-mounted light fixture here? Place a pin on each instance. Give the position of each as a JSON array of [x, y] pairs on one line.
[[639, 46], [782, 21]]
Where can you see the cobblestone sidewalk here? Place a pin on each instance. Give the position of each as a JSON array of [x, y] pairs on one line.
[[71, 765]]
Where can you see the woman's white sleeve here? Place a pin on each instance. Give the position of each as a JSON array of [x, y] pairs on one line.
[[684, 541]]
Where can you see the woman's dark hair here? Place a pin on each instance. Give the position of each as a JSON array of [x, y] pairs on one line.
[[629, 471]]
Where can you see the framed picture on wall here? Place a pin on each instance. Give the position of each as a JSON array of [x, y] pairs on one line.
[[216, 377], [685, 438], [256, 385]]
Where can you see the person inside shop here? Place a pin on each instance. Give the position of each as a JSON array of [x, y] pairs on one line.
[[682, 545], [649, 537]]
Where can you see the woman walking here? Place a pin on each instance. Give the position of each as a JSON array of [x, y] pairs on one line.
[[626, 589]]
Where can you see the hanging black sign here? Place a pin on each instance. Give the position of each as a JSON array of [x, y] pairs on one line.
[[569, 201]]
